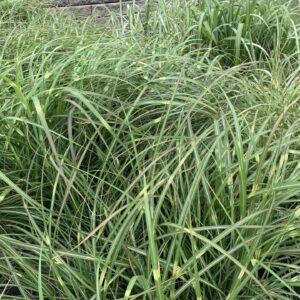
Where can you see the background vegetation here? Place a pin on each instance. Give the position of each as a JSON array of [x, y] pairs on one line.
[[155, 159]]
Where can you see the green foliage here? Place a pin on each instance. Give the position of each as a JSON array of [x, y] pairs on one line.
[[156, 159]]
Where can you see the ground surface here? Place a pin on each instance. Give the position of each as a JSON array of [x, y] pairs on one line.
[[97, 8]]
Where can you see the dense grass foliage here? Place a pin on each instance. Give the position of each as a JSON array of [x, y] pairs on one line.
[[156, 159]]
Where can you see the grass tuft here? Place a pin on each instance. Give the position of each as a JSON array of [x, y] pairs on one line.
[[155, 159]]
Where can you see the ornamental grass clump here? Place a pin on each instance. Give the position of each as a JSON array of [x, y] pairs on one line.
[[154, 159]]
